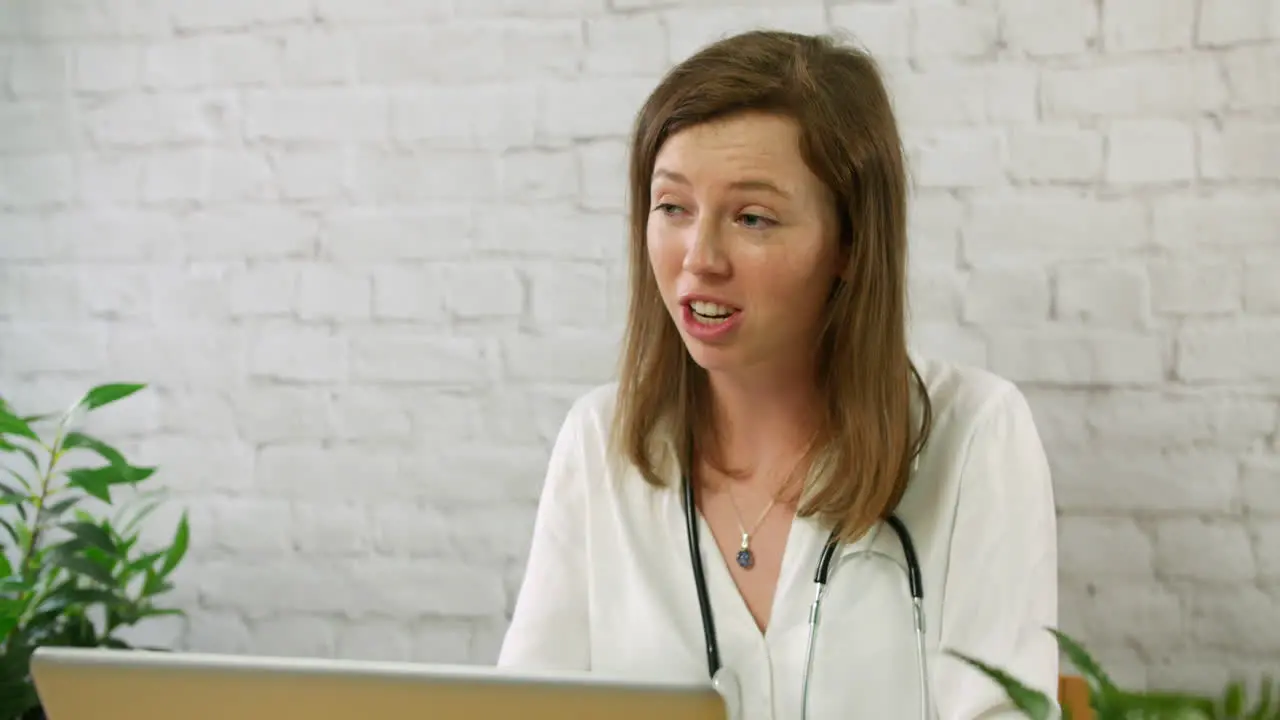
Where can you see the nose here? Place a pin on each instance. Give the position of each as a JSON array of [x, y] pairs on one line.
[[705, 254]]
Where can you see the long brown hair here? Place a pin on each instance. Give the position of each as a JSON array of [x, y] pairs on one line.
[[850, 140]]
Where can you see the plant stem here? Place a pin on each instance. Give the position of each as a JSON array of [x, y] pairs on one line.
[[29, 552]]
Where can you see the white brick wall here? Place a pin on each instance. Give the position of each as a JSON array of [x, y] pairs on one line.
[[367, 251]]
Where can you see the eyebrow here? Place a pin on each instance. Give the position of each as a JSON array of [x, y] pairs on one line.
[[749, 184]]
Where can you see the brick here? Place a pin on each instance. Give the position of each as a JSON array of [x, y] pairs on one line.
[[1150, 151], [403, 292], [1223, 22], [110, 180], [1225, 219], [441, 640], [1241, 150], [28, 347], [1168, 419], [1253, 76], [936, 295], [239, 176], [37, 181], [483, 289], [137, 120], [249, 232], [39, 70], [1266, 536], [1229, 352], [533, 8], [402, 357], [32, 127], [353, 11], [950, 342], [510, 474], [197, 294], [175, 176], [261, 290], [933, 229], [244, 60], [1040, 227], [945, 31], [1056, 27], [375, 640], [316, 115], [691, 28], [310, 173], [298, 354], [1063, 356], [1102, 547], [293, 636], [368, 413], [1147, 25], [1225, 617], [550, 232], [1261, 291], [1138, 612], [963, 94], [1054, 154], [602, 165], [181, 64], [454, 53], [111, 234], [194, 466], [41, 294], [1128, 480], [957, 159], [176, 355], [409, 531], [380, 176], [1116, 296], [536, 174], [118, 293], [315, 56], [331, 529], [1196, 287], [582, 356], [232, 14], [106, 67], [625, 45], [325, 292], [1006, 296], [1141, 86], [567, 295], [247, 525], [494, 116], [280, 413], [882, 30], [420, 234], [590, 109], [217, 632]]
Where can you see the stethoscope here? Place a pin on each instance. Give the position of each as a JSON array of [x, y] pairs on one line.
[[820, 578]]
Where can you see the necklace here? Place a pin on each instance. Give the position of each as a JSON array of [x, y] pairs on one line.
[[746, 558]]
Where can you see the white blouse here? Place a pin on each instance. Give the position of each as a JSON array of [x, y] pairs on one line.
[[608, 586]]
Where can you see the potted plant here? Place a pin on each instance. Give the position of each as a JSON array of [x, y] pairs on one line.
[[73, 571], [1111, 702]]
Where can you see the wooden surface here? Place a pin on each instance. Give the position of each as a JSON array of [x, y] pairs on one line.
[[1073, 695]]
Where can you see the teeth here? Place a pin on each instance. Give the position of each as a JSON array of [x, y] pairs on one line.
[[711, 310]]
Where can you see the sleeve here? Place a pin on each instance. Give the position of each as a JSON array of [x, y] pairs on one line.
[[549, 626], [1001, 591]]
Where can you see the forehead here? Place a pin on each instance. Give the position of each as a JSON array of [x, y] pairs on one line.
[[756, 145]]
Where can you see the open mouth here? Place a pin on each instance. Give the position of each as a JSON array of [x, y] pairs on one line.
[[709, 313]]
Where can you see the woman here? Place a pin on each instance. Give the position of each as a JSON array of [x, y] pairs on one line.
[[766, 363]]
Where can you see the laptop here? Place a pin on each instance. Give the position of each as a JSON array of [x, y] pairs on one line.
[[104, 684]]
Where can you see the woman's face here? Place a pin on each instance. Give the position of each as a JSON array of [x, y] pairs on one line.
[[742, 237]]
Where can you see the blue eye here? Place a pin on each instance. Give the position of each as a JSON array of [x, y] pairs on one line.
[[667, 208], [755, 222]]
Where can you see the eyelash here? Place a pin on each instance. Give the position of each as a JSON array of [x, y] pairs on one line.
[[766, 223]]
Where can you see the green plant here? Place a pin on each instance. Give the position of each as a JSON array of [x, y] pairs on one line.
[[68, 576], [1111, 702]]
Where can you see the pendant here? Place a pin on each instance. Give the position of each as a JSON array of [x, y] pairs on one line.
[[745, 557]]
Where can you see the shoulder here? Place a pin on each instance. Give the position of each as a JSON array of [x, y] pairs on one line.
[[967, 401], [590, 415]]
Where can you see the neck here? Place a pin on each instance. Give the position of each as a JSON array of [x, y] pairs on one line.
[[762, 426]]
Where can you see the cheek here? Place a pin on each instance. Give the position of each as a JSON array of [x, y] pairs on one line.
[[666, 255]]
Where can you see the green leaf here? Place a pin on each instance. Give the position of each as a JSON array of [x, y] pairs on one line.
[[179, 547], [105, 451], [1033, 703], [98, 481], [11, 424], [17, 697], [83, 566], [92, 535], [1100, 684], [107, 394]]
